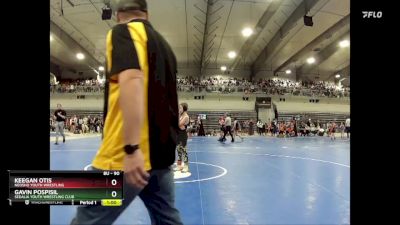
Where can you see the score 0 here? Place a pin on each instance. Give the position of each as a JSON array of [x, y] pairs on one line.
[[114, 182]]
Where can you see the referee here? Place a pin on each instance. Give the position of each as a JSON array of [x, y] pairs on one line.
[[141, 117]]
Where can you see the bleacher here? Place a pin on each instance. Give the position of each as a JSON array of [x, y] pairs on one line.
[[213, 116], [322, 117], [209, 124]]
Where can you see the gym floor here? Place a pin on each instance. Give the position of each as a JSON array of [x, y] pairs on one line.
[[261, 180]]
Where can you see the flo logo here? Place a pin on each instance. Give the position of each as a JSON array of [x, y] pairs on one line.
[[372, 14]]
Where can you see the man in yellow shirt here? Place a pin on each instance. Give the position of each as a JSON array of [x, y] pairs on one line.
[[141, 117]]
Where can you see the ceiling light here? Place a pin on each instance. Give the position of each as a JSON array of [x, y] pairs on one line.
[[337, 76], [344, 43], [232, 54], [223, 68], [80, 56], [51, 37], [311, 60], [101, 68], [288, 71], [247, 32]]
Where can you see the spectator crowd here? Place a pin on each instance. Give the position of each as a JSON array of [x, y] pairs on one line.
[[81, 124], [274, 86], [77, 86]]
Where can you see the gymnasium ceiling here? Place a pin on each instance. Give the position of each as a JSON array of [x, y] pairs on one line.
[[202, 33]]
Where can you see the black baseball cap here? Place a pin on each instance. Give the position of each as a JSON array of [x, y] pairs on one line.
[[123, 5]]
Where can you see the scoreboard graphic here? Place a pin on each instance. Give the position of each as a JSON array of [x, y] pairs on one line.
[[66, 188]]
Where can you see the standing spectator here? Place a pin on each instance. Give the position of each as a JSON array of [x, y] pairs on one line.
[[60, 116], [270, 128], [333, 131], [251, 127], [309, 122], [85, 126], [201, 128], [221, 123], [295, 127], [74, 124], [329, 128], [275, 127], [51, 124], [80, 124], [342, 129], [259, 127], [347, 124], [263, 128]]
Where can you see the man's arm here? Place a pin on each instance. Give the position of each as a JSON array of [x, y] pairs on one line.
[[131, 103]]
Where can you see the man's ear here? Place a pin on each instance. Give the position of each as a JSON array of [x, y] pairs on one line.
[[117, 17]]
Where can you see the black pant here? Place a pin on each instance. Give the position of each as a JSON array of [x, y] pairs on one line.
[[348, 131], [228, 129]]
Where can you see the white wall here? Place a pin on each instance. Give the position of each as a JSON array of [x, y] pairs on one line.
[[183, 72], [216, 103], [78, 104], [212, 105], [67, 74], [270, 75], [312, 107], [234, 74], [96, 102]]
